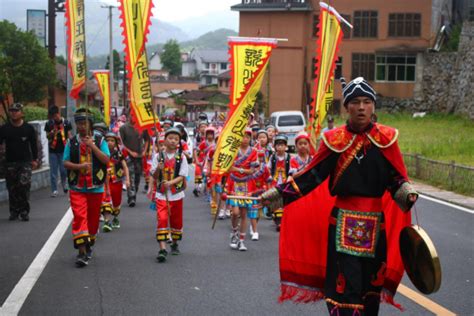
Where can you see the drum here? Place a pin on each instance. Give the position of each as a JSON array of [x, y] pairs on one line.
[[420, 259]]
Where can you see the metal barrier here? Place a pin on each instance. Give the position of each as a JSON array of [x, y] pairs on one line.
[[450, 176]]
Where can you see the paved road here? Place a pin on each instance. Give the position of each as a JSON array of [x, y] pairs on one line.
[[208, 278]]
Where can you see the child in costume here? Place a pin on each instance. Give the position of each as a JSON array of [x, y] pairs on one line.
[[85, 159], [198, 157], [240, 184], [279, 166], [299, 161], [202, 152], [261, 179], [117, 171], [263, 144], [169, 170]]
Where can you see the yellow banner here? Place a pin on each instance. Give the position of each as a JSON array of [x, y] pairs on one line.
[[103, 80], [136, 16], [76, 44], [330, 36], [249, 58]]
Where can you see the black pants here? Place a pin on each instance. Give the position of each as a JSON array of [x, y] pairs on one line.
[[18, 179], [135, 171], [358, 273]]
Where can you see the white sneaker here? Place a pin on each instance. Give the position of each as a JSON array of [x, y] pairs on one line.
[[54, 194], [251, 230], [242, 246], [255, 236], [234, 240], [221, 214], [227, 213]]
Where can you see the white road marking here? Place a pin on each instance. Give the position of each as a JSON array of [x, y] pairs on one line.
[[17, 297], [464, 209]]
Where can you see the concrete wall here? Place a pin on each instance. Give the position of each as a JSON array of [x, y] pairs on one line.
[[39, 180], [447, 81]]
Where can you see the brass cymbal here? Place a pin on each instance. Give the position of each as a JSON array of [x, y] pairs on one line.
[[420, 259]]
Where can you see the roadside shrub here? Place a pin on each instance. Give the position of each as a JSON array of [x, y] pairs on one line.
[[35, 113]]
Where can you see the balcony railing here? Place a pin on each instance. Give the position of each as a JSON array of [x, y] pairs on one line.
[[273, 5]]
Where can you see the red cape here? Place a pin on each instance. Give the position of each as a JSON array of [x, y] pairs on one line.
[[304, 230]]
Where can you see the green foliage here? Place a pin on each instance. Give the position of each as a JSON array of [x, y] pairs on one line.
[[453, 40], [117, 63], [443, 137], [26, 67], [171, 57], [212, 40], [35, 113], [61, 60], [96, 113]]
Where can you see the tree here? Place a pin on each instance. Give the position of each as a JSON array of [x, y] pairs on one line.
[[171, 57], [117, 63], [25, 68], [61, 60]]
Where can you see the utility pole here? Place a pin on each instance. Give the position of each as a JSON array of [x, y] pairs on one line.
[[111, 56], [53, 7]]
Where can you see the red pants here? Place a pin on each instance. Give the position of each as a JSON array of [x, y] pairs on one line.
[[197, 173], [116, 195], [86, 210], [146, 167], [175, 222]]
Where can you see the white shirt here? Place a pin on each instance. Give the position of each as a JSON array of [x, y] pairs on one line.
[[183, 171]]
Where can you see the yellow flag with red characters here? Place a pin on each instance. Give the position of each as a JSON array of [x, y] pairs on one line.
[[329, 37], [76, 39], [249, 60], [103, 80], [135, 15]]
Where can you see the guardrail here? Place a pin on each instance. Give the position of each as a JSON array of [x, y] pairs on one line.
[[449, 176]]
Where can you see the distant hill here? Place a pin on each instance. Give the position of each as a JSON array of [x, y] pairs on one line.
[[212, 40]]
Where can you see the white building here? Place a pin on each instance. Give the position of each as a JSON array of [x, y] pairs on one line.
[[207, 64]]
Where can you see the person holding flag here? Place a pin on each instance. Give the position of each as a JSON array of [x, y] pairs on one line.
[[241, 186], [169, 169], [85, 159], [279, 166]]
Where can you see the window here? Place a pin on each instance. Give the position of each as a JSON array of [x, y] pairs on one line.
[[206, 65], [346, 30], [395, 67], [404, 24], [290, 120], [223, 66], [363, 65], [338, 71], [315, 25], [471, 10], [365, 24]]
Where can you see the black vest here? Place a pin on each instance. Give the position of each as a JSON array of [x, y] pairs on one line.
[[99, 170], [274, 161]]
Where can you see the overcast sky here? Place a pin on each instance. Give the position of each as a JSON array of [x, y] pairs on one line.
[[178, 10]]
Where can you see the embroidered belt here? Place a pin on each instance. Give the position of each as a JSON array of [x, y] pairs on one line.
[[357, 233], [362, 204], [333, 221]]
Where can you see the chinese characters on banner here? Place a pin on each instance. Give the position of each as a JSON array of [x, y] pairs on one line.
[[76, 44], [103, 79], [135, 17], [329, 38], [249, 59]]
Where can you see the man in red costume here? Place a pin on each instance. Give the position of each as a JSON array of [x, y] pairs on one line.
[[344, 247]]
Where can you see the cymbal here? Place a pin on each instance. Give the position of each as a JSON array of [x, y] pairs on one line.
[[420, 259]]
